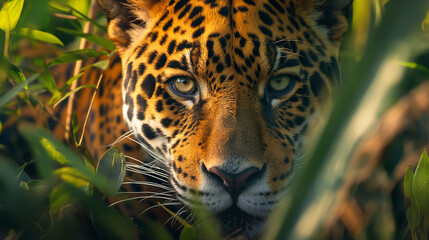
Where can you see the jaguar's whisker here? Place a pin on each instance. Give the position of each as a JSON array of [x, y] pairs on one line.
[[121, 138], [170, 192], [150, 174], [150, 151], [139, 197], [147, 168], [150, 184]]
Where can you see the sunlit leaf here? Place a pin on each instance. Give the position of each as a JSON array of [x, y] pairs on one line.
[[73, 91], [361, 22], [70, 81], [102, 65], [112, 165], [101, 41], [52, 149], [76, 55], [72, 176], [413, 65], [40, 36], [10, 14], [64, 5], [70, 8]]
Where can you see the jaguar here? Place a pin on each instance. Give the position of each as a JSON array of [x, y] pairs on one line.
[[219, 95]]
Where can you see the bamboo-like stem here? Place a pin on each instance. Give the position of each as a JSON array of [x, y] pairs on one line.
[[87, 28]]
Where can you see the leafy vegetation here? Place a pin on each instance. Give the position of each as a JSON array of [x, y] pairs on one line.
[[416, 191], [50, 190]]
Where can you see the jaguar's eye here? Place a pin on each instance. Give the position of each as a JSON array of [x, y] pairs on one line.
[[280, 85], [183, 86]]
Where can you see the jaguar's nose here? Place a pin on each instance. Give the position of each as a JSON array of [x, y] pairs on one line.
[[235, 183]]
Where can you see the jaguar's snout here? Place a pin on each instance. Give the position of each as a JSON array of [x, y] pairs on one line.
[[235, 183]]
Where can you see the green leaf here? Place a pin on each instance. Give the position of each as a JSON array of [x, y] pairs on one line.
[[16, 74], [102, 65], [76, 55], [421, 182], [113, 166], [411, 208], [421, 190], [73, 91], [70, 81], [177, 217], [58, 198], [52, 151], [101, 41], [13, 71], [10, 94], [414, 65], [188, 233], [72, 176], [49, 82], [40, 36], [408, 183], [10, 14], [70, 9], [45, 148]]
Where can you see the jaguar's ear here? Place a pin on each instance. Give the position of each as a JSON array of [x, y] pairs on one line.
[[330, 15], [128, 18]]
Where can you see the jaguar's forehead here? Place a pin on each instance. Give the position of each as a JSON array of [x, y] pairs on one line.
[[223, 38]]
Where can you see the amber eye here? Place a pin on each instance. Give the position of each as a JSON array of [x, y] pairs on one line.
[[183, 86], [280, 85]]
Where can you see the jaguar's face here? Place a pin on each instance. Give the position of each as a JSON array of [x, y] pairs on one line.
[[224, 91]]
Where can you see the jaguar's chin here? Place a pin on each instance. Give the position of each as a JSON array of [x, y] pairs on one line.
[[235, 222]]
